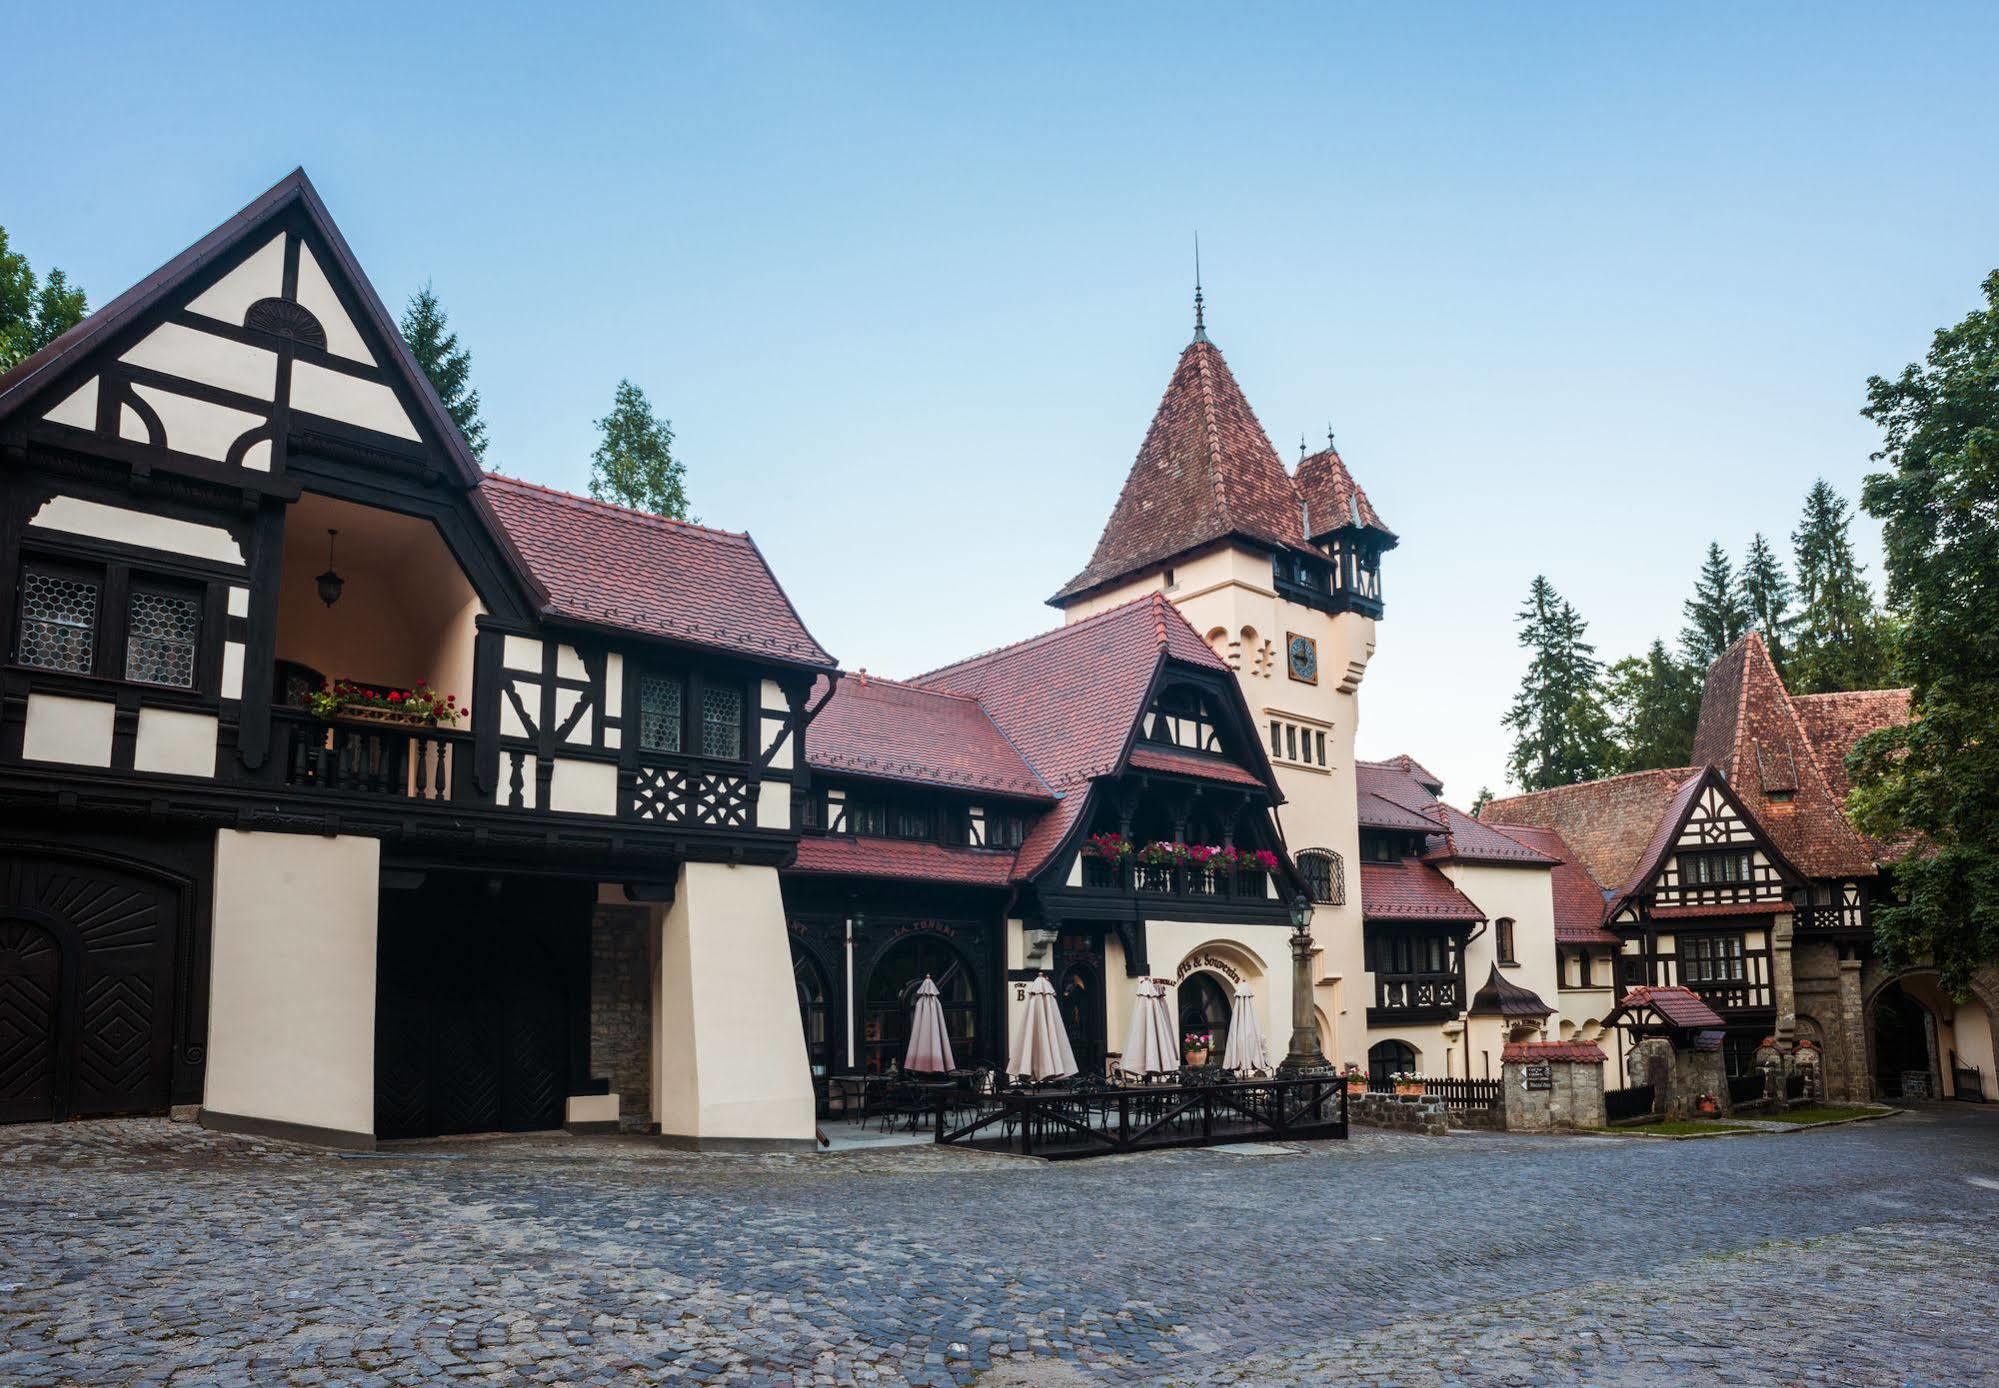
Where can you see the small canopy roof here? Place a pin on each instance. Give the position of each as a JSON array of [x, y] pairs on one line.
[[1502, 997], [1678, 1014]]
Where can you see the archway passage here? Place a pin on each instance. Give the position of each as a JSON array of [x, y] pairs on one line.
[[1904, 1046], [1080, 994], [891, 993], [814, 1002], [86, 988], [1389, 1058], [1206, 1007]]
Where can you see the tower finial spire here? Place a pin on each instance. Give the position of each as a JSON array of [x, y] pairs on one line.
[[1200, 312]]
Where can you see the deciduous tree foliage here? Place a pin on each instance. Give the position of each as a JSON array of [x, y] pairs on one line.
[[1655, 703], [32, 315], [448, 365], [1717, 613], [1840, 641], [1561, 731], [1937, 777], [634, 464]]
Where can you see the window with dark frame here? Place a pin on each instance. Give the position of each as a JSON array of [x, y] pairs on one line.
[[1004, 830], [867, 819], [1324, 874], [110, 621], [1276, 738], [1711, 959], [912, 822], [722, 721], [58, 626], [1730, 868], [162, 635], [1321, 737], [662, 701], [1502, 934]]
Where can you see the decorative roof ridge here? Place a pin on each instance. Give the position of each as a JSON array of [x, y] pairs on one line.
[[1679, 773], [593, 503], [866, 679], [1049, 635], [1838, 694]]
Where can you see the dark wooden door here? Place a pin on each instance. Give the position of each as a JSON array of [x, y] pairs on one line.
[[481, 1007], [86, 987]]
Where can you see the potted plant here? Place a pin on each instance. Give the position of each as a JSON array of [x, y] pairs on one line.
[[1112, 848], [419, 706], [1160, 853], [1407, 1086], [1355, 1079], [1706, 1105], [1194, 1046]]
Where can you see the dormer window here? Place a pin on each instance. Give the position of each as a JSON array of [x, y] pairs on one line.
[[1183, 718], [1714, 869]]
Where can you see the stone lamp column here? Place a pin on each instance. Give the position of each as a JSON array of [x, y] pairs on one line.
[[1305, 1054]]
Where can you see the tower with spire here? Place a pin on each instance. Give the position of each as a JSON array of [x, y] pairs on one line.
[[1281, 572]]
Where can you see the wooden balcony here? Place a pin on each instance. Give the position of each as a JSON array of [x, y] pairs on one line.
[[409, 762], [1246, 884], [1417, 997]]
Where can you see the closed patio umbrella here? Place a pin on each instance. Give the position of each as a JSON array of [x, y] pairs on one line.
[[929, 1050], [1246, 1050], [1041, 1049], [1148, 1041]]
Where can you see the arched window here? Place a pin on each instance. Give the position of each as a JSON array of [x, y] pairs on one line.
[[891, 993], [1386, 1058], [813, 997], [1502, 934], [1205, 1007], [1325, 875]]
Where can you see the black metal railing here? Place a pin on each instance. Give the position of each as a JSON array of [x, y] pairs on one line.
[[1620, 1104], [1062, 1123], [1456, 1091], [1966, 1082], [1745, 1089], [1168, 879], [409, 762]]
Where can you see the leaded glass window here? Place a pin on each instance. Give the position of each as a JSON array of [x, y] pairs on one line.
[[722, 721], [58, 621], [160, 637], [660, 701]]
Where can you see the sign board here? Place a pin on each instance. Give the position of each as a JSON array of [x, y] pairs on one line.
[[1537, 1075]]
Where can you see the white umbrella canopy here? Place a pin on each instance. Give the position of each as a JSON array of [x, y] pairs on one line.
[[1148, 1041], [1246, 1049], [929, 1049], [1041, 1049], [1166, 1025]]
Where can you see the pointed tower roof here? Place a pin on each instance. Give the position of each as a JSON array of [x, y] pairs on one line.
[[1333, 500], [1500, 996], [1750, 729], [1206, 471]]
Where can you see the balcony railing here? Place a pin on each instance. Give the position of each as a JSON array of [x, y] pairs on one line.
[[1416, 997], [1252, 884], [407, 762]]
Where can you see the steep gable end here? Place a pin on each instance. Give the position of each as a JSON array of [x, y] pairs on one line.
[[261, 338]]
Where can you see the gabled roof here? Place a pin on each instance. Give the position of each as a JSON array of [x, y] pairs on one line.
[[835, 855], [1466, 840], [1206, 471], [28, 379], [1179, 762], [1528, 1052], [1500, 996], [1332, 499], [1415, 771], [1609, 823], [1377, 811], [606, 566], [1399, 794], [1412, 891], [888, 731], [1835, 723], [1749, 728], [1680, 1008], [1578, 897]]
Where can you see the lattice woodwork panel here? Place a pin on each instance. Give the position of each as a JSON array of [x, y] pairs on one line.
[[676, 795]]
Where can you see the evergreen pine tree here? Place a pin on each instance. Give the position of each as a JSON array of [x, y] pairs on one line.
[[33, 315], [1767, 590], [634, 464], [1655, 704], [1840, 639], [448, 365], [1717, 614], [1480, 801], [1561, 731]]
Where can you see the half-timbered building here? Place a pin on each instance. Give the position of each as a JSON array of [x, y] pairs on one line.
[[347, 791], [1094, 803]]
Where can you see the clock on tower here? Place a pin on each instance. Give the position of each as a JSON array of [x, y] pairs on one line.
[[1302, 656]]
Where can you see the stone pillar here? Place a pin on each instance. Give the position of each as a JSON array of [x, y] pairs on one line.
[[1783, 980], [1552, 1086], [1305, 1053], [1851, 1037], [729, 1066]]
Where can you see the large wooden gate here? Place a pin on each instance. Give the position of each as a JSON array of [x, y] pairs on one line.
[[482, 1006], [86, 987]]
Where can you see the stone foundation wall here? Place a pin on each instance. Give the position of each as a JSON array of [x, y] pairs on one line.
[[1415, 1115], [621, 1010], [1679, 1077]]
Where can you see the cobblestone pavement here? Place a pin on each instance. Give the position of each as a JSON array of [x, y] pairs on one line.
[[149, 1252]]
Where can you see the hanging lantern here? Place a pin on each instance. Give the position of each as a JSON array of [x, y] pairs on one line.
[[330, 583]]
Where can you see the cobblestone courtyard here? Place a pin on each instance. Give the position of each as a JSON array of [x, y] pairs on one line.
[[148, 1252]]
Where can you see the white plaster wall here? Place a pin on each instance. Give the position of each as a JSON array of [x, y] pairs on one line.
[[260, 276], [316, 294], [122, 525], [175, 742], [194, 426], [728, 1045], [583, 787], [59, 728], [291, 1012], [202, 356], [1261, 954], [337, 395], [1974, 1046], [1527, 895], [773, 805]]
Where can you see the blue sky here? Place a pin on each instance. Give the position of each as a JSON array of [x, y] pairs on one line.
[[1580, 288]]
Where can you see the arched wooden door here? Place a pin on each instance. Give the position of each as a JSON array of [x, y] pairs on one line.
[[1079, 992], [891, 992], [86, 987], [1204, 1007]]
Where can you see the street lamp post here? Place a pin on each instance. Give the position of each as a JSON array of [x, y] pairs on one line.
[[1305, 1053]]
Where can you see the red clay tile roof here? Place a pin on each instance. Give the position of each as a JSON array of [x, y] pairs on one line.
[[1749, 728], [1528, 1052], [1579, 903], [889, 731], [1466, 840], [1681, 1007], [1398, 794], [1379, 812], [935, 862], [1333, 500], [1145, 757], [1500, 996], [1744, 908], [1609, 823], [1412, 891], [1048, 833], [1205, 471], [1415, 770], [1835, 723], [608, 566]]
